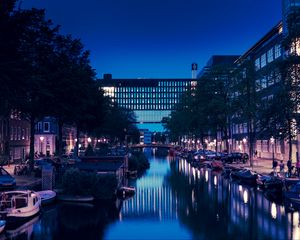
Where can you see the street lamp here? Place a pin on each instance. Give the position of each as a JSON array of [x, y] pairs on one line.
[[244, 144], [272, 140], [89, 140], [41, 141]]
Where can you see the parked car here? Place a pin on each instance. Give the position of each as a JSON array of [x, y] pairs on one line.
[[6, 180], [238, 157]]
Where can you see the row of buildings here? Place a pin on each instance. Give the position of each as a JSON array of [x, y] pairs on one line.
[[153, 99], [15, 137]]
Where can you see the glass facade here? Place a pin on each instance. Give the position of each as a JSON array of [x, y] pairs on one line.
[[150, 99]]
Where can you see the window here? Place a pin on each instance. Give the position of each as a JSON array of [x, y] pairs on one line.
[[271, 79], [46, 127], [39, 127], [277, 51], [263, 60], [270, 55], [257, 64], [263, 82], [257, 85]]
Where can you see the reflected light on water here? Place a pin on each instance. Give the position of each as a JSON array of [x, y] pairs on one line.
[[273, 211], [206, 176], [193, 196], [245, 196], [296, 229], [194, 173], [215, 180]]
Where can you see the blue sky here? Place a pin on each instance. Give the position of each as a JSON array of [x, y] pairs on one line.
[[160, 38]]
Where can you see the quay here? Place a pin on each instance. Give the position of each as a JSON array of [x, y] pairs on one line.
[[23, 181]]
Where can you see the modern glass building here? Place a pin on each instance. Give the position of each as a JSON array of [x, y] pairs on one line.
[[150, 99], [290, 12]]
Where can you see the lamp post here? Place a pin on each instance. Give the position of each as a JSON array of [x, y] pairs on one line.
[[41, 141], [206, 143], [272, 140], [244, 144]]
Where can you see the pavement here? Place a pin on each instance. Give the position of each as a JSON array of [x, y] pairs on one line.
[[261, 166], [25, 181]]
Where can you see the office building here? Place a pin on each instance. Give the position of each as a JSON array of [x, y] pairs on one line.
[[150, 99]]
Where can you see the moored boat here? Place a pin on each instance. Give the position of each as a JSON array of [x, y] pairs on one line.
[[293, 194], [2, 225], [16, 206], [244, 176], [217, 165], [125, 192], [47, 196], [274, 184]]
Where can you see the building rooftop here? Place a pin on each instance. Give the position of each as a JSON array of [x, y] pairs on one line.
[[217, 60]]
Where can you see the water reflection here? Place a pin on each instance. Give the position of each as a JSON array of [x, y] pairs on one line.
[[173, 200]]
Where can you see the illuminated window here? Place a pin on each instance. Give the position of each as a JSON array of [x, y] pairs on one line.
[[277, 51], [270, 55], [271, 79], [257, 64], [263, 82], [263, 60], [296, 47]]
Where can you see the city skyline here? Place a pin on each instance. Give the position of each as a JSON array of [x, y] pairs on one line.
[[155, 39]]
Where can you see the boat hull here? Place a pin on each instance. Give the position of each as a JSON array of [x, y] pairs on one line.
[[47, 197], [69, 198], [248, 180], [2, 225]]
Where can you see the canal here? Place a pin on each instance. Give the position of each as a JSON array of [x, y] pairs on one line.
[[173, 201]]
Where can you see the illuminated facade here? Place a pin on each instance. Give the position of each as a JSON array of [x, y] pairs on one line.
[[150, 99]]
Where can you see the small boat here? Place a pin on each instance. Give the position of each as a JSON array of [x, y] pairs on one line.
[[74, 198], [293, 194], [290, 182], [228, 170], [217, 165], [244, 176], [125, 192], [16, 206], [47, 196], [274, 184], [261, 179], [2, 225]]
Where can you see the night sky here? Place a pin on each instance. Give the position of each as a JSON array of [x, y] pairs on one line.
[[160, 38]]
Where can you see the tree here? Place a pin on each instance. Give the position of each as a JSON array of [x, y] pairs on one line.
[[118, 123], [245, 101], [74, 94], [36, 35]]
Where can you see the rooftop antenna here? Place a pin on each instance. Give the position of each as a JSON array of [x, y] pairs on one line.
[[194, 70]]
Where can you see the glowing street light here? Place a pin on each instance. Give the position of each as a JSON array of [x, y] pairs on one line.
[[272, 140], [244, 144], [41, 141], [89, 140]]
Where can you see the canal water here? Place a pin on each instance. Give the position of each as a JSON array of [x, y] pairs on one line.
[[173, 201]]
